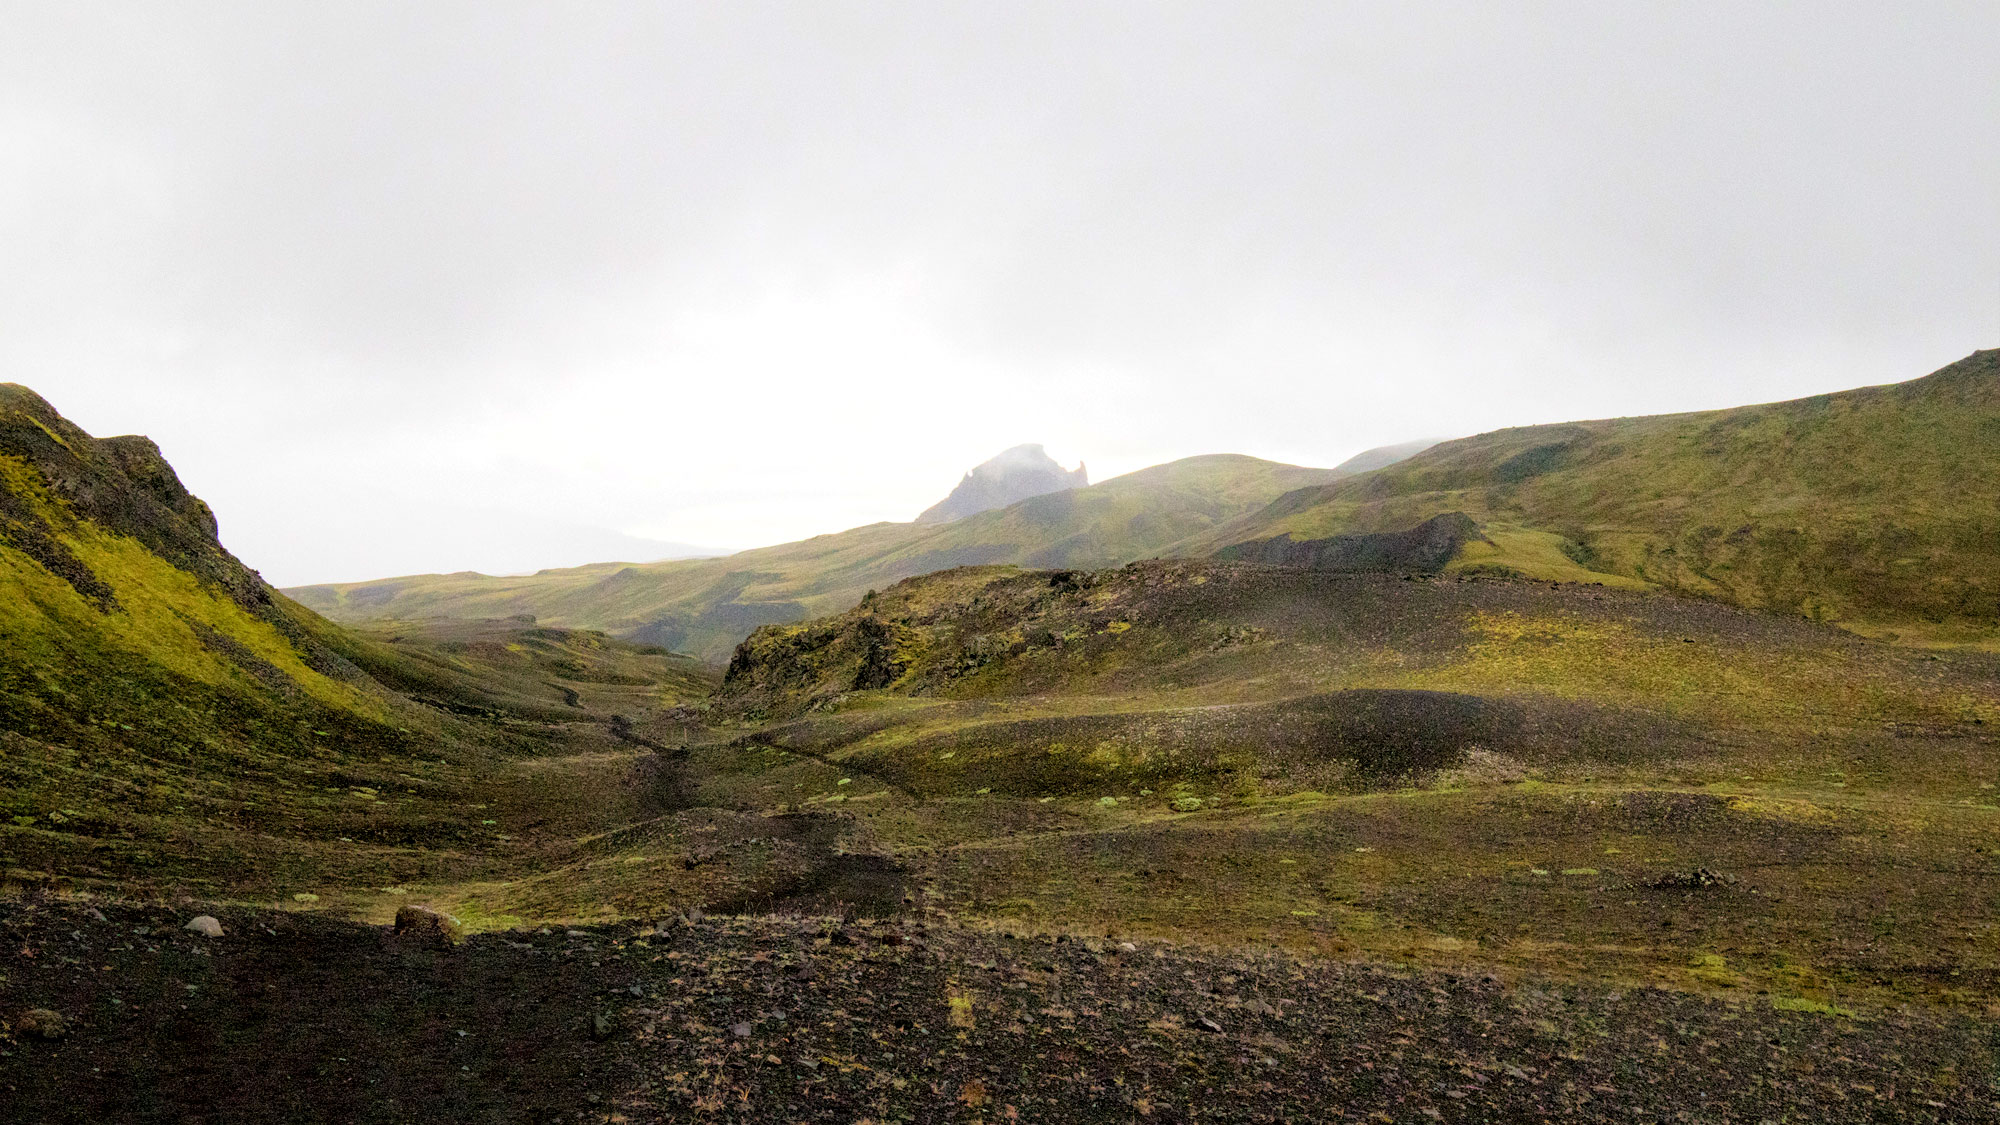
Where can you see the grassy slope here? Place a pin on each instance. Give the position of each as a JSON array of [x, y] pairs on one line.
[[1877, 507], [168, 721], [706, 606], [1475, 772]]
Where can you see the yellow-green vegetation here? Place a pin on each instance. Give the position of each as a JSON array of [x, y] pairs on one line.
[[1474, 772], [1877, 508], [705, 606], [1488, 773], [168, 721]]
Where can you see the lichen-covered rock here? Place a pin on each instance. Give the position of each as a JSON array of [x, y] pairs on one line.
[[205, 925], [41, 1023], [427, 926]]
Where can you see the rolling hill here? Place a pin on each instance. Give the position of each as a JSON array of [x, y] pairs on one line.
[[1878, 508], [705, 606], [1471, 770]]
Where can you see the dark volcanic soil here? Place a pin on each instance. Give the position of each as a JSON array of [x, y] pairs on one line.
[[295, 1017]]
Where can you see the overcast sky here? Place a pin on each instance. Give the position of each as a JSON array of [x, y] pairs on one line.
[[408, 287]]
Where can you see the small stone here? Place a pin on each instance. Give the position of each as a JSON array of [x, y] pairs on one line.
[[740, 1030], [205, 925], [600, 1026], [1209, 1024], [1127, 947], [41, 1023]]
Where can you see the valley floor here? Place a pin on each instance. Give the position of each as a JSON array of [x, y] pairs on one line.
[[301, 1017]]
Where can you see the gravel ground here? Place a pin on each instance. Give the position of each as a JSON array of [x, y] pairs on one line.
[[299, 1017]]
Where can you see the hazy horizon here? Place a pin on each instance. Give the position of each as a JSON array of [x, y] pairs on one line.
[[488, 286]]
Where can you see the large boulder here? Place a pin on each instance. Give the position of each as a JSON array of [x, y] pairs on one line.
[[425, 926]]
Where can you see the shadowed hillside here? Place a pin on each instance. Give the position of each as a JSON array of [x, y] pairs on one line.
[[706, 606], [1878, 508]]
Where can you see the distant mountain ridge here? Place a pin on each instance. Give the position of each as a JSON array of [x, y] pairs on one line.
[[1382, 456], [705, 606], [1878, 507], [1875, 507], [1007, 478]]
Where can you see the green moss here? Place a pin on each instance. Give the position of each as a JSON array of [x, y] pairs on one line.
[[1806, 1004], [1876, 506]]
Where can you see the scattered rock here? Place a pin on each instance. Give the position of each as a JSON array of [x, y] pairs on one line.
[[600, 1026], [1208, 1024], [1690, 880], [205, 925], [41, 1023]]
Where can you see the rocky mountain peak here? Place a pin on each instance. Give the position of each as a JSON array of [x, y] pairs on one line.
[[1012, 476]]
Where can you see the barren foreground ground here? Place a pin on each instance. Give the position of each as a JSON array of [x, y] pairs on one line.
[[300, 1017]]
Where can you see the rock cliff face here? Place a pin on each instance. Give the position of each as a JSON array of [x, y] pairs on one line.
[[119, 485], [1426, 548], [1013, 476]]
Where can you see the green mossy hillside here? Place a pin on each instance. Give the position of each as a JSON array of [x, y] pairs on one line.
[[168, 720], [1492, 773], [1878, 508]]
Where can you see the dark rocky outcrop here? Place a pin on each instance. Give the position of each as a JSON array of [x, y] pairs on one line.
[[1425, 548], [121, 484], [1019, 473]]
